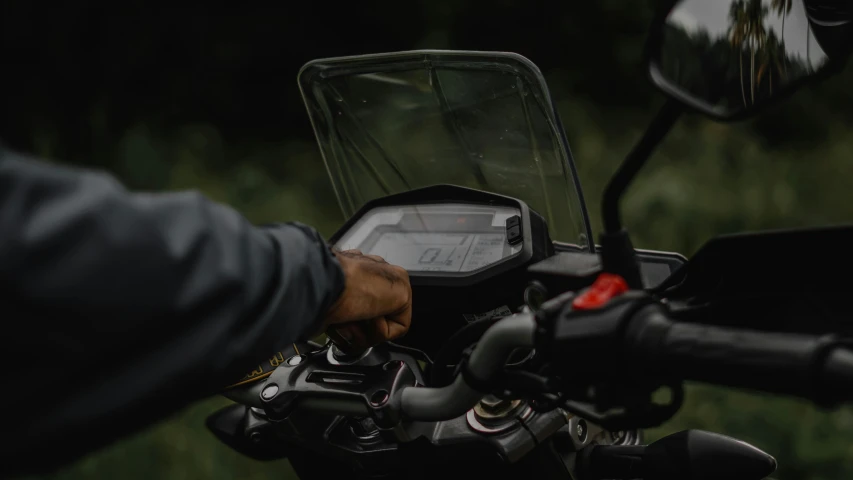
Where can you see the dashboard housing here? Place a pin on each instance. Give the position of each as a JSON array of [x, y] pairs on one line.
[[446, 301]]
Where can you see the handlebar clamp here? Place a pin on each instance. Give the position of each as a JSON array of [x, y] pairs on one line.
[[313, 383]]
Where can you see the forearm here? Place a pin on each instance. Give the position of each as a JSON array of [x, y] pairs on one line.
[[151, 300]]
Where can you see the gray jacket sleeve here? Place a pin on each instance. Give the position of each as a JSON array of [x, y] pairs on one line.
[[136, 304]]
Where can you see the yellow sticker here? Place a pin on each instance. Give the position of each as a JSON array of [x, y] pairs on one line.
[[277, 360]]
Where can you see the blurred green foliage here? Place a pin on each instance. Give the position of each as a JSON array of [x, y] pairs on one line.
[[184, 99]]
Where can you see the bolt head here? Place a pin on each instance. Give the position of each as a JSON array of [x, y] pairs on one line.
[[379, 398], [269, 391], [580, 430]]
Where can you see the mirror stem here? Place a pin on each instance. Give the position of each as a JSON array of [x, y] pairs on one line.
[[617, 252], [621, 180]]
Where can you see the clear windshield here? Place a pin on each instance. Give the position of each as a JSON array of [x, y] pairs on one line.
[[396, 122]]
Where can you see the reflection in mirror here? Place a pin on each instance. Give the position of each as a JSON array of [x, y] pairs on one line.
[[733, 54]]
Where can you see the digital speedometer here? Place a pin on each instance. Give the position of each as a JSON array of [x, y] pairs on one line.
[[466, 252], [449, 238]]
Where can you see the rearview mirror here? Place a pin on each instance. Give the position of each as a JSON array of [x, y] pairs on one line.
[[728, 58]]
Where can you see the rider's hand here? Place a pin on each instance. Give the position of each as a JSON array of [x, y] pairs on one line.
[[376, 304]]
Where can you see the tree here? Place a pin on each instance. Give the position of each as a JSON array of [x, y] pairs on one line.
[[783, 9], [756, 12], [738, 32], [772, 57], [808, 44]]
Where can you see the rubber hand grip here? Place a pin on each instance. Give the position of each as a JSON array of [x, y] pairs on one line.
[[784, 363]]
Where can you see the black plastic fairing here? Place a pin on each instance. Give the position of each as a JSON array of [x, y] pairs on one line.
[[788, 280], [573, 268]]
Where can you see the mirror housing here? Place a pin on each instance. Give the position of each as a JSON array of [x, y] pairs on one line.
[[712, 57]]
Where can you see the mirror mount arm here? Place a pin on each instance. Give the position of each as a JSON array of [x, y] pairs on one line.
[[636, 159], [617, 252]]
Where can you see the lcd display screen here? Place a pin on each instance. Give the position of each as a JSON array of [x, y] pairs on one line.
[[434, 238]]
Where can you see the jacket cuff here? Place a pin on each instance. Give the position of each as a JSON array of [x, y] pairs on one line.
[[326, 274]]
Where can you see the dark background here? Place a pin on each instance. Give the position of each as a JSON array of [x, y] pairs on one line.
[[206, 98]]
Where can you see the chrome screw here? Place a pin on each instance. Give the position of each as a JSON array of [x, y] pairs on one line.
[[269, 391], [581, 430]]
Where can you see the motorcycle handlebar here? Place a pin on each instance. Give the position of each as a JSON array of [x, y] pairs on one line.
[[802, 365], [432, 404]]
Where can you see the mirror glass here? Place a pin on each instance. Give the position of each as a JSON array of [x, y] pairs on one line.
[[726, 56]]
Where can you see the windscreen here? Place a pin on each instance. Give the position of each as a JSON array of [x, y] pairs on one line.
[[396, 122]]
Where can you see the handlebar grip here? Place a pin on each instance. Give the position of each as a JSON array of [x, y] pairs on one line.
[[803, 365]]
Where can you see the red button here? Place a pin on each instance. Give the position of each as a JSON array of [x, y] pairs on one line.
[[605, 287]]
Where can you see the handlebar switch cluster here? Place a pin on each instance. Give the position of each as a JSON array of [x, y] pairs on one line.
[[573, 335], [593, 366]]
